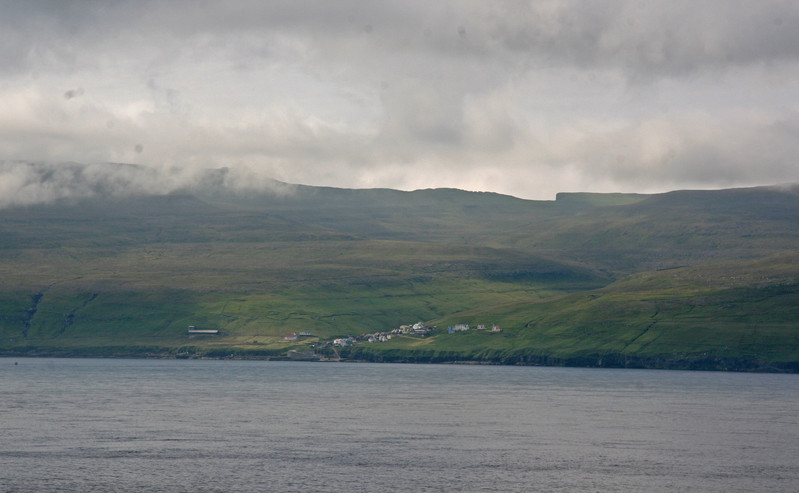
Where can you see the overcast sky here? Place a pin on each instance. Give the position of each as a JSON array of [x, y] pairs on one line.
[[523, 98]]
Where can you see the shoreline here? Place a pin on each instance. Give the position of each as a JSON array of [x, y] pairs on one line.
[[740, 365]]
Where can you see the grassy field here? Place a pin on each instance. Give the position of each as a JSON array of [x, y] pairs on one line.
[[687, 279], [745, 311]]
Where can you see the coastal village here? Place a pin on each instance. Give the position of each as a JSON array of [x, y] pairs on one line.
[[418, 329]]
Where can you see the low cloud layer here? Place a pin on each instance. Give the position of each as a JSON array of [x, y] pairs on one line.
[[26, 183], [524, 98]]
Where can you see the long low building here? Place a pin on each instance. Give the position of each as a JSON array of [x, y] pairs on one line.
[[195, 330]]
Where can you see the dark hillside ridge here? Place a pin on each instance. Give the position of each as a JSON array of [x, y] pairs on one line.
[[685, 279], [585, 200], [678, 229], [775, 203]]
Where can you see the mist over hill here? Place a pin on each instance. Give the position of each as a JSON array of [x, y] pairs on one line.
[[122, 259], [30, 183]]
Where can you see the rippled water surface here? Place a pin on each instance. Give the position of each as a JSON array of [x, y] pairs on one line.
[[174, 425]]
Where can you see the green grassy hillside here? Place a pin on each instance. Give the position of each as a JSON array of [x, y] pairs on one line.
[[722, 316], [686, 279], [675, 229]]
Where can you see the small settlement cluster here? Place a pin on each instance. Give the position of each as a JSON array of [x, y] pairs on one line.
[[464, 327], [417, 329]]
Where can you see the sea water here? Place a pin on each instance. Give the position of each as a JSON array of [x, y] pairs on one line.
[[191, 425]]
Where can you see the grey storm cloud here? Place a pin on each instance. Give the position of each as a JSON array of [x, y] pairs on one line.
[[526, 98]]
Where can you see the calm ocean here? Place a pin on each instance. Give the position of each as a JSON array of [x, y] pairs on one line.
[[195, 426]]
